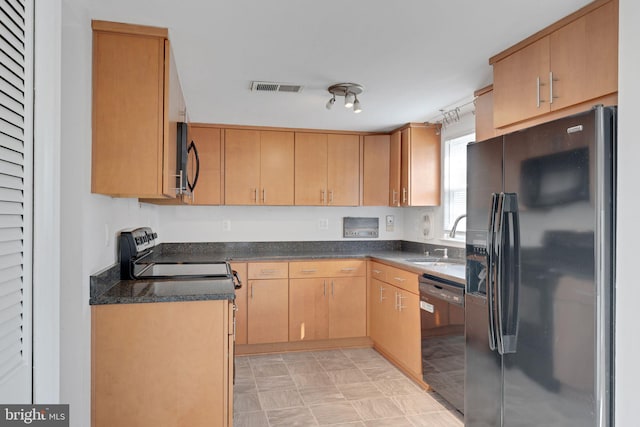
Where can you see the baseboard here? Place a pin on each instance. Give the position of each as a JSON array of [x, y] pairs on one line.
[[358, 342]]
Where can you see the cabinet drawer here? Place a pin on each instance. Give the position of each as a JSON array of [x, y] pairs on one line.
[[333, 268], [268, 270], [378, 271], [403, 279], [397, 277]]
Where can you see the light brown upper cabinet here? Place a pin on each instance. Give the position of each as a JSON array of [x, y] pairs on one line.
[[484, 113], [417, 167], [573, 61], [395, 163], [327, 169], [208, 189], [258, 167], [375, 182], [137, 101]]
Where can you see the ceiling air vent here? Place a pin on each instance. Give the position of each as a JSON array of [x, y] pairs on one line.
[[275, 87]]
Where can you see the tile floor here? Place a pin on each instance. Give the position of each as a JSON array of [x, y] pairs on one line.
[[348, 387]]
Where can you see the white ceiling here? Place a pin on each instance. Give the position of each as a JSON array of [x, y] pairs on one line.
[[414, 57]]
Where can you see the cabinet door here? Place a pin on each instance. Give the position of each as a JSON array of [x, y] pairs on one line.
[[516, 95], [348, 307], [308, 309], [424, 167], [128, 116], [241, 167], [376, 163], [405, 167], [276, 168], [484, 115], [343, 170], [408, 332], [584, 57], [395, 162], [241, 302], [310, 169], [268, 313], [207, 141]]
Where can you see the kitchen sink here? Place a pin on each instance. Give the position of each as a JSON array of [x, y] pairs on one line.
[[434, 261], [446, 266]]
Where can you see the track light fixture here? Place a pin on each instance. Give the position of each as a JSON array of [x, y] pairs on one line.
[[350, 91], [331, 102]]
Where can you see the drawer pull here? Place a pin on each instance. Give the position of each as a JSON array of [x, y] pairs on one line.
[[268, 271], [399, 279], [348, 269], [309, 271], [376, 271]]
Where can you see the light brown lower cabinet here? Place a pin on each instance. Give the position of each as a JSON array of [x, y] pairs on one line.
[[268, 311], [395, 316], [325, 308], [159, 364], [241, 302]]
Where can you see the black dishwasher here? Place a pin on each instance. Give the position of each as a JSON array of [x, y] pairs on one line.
[[442, 335]]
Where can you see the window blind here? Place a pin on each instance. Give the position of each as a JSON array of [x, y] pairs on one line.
[[455, 180], [14, 304]]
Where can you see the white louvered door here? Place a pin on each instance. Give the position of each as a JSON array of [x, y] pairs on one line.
[[16, 160]]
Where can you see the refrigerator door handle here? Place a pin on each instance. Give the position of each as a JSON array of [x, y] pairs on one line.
[[491, 271], [508, 283]]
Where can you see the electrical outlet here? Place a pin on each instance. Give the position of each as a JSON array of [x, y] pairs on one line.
[[226, 225], [323, 224], [390, 221]]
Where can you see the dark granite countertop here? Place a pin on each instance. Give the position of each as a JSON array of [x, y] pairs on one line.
[[107, 288], [141, 291]]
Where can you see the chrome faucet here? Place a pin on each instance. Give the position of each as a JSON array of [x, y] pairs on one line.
[[452, 233], [444, 251]]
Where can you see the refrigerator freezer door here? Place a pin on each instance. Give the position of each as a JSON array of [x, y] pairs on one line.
[[483, 367], [550, 379], [483, 374]]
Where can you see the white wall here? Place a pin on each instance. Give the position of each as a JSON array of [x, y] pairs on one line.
[[265, 223], [628, 207], [85, 218]]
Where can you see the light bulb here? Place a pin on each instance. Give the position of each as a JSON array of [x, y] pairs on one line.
[[357, 108], [331, 102], [348, 100]]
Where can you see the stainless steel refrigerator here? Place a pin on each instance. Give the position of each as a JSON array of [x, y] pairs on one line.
[[540, 257]]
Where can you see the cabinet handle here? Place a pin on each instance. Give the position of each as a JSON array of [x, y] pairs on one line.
[[348, 269], [330, 197], [400, 279], [268, 271], [332, 292], [179, 189], [322, 196], [551, 80], [382, 294], [376, 271], [400, 298], [393, 197], [251, 289], [539, 100], [396, 305], [264, 195], [404, 195], [255, 195], [324, 291], [310, 271]]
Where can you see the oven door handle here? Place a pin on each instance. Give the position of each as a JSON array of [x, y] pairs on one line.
[[237, 284]]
